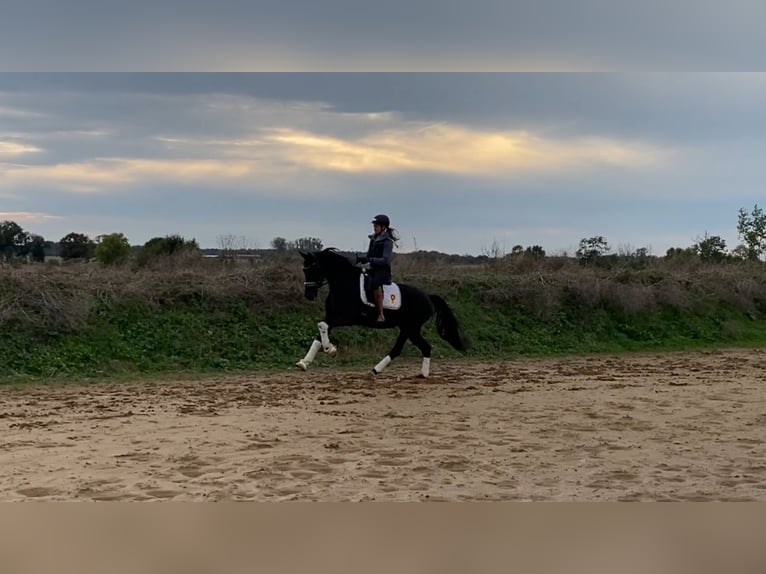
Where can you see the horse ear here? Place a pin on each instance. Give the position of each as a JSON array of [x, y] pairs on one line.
[[304, 255]]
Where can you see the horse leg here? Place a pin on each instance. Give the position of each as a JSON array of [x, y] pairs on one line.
[[395, 351], [324, 333], [309, 358], [323, 342], [425, 348]]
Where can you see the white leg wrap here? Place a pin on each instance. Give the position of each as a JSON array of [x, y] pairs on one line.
[[309, 358], [382, 365], [425, 370], [324, 328]]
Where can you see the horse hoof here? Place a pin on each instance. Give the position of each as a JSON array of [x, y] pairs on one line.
[[331, 351], [372, 372], [422, 376], [302, 365]]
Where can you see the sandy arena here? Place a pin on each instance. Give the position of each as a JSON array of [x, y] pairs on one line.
[[676, 426]]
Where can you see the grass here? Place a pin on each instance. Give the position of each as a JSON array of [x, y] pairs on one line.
[[89, 323]]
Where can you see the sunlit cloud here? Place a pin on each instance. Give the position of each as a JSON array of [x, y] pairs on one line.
[[282, 152], [26, 216], [458, 150], [214, 146], [104, 174], [12, 148], [13, 112], [79, 177]]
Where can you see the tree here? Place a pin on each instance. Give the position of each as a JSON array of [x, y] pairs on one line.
[[176, 244], [591, 248], [494, 251], [76, 246], [306, 244], [680, 253], [23, 244], [279, 244], [168, 245], [535, 252], [12, 236], [112, 249], [741, 252], [37, 248], [235, 244], [752, 230], [710, 248]]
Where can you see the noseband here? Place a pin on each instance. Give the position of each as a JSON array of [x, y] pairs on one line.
[[313, 284]]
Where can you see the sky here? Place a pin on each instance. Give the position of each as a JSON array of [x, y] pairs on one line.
[[475, 126], [391, 35], [461, 163]]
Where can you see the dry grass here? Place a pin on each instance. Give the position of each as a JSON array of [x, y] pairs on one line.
[[59, 297], [629, 285], [56, 298]]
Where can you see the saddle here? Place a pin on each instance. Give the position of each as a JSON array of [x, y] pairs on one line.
[[392, 296]]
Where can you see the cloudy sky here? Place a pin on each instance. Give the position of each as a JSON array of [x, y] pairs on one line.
[[458, 161], [648, 125], [377, 35]]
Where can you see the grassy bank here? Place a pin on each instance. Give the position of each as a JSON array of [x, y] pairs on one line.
[[187, 316]]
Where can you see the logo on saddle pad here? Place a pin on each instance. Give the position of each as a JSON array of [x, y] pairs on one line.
[[392, 297]]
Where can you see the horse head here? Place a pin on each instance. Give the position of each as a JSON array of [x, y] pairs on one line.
[[326, 266], [313, 274]]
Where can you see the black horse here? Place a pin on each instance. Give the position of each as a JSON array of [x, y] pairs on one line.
[[348, 303]]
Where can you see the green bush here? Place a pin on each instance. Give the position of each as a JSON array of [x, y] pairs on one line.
[[159, 248], [112, 249]]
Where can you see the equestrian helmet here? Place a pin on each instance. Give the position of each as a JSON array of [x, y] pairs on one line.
[[382, 220]]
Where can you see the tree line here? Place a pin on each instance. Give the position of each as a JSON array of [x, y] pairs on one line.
[[18, 244], [751, 229]]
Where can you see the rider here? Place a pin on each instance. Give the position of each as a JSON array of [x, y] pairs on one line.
[[379, 254]]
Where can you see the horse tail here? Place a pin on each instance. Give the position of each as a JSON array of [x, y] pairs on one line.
[[447, 325]]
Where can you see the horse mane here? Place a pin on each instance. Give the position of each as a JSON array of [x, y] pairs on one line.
[[335, 259]]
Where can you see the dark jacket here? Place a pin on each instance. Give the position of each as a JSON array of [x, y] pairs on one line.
[[379, 254]]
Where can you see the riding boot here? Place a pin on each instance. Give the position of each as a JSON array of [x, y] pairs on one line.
[[379, 304]]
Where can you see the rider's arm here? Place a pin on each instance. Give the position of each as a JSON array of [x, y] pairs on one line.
[[365, 258], [388, 250]]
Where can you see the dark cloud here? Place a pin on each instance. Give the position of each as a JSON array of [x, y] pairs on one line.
[[267, 35], [660, 106]]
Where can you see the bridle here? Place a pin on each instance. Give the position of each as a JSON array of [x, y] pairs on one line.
[[313, 284]]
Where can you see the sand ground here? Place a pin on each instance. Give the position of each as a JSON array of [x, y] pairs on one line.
[[670, 426]]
